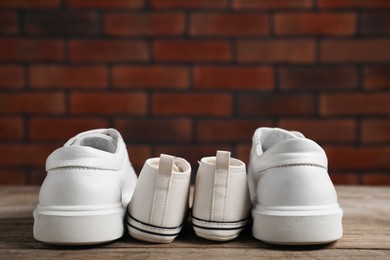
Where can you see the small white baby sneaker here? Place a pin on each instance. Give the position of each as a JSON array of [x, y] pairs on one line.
[[221, 198], [294, 200], [89, 183], [159, 206]]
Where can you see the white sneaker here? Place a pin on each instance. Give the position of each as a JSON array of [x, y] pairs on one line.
[[89, 182], [160, 203], [221, 198], [294, 200]]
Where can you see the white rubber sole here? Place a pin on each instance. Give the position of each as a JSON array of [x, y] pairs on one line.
[[151, 233], [216, 235], [78, 227], [218, 231], [297, 225]]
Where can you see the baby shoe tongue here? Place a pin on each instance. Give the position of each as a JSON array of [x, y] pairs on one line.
[[98, 141]]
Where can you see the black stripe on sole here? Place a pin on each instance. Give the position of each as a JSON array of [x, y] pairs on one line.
[[152, 226], [223, 222], [152, 233], [218, 228]]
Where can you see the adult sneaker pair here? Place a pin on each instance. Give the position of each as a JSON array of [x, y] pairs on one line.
[[293, 198], [160, 203]]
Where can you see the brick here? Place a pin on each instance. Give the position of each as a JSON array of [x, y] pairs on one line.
[[155, 130], [61, 129], [375, 23], [376, 77], [108, 50], [194, 4], [158, 77], [11, 76], [30, 155], [31, 50], [275, 105], [59, 76], [361, 158], [376, 178], [61, 23], [8, 22], [277, 51], [192, 104], [228, 24], [103, 4], [355, 104], [32, 103], [144, 24], [138, 154], [376, 131], [344, 178], [336, 4], [104, 103], [331, 130], [306, 78], [234, 78], [362, 50], [11, 128], [36, 176], [230, 131], [314, 23], [12, 177], [243, 151], [271, 5], [30, 4], [191, 51]]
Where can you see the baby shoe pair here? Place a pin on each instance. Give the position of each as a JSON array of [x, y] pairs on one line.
[[160, 203]]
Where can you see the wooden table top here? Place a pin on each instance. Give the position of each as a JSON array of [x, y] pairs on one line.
[[366, 234]]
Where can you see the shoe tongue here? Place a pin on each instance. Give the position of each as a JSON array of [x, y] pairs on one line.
[[98, 141], [270, 137]]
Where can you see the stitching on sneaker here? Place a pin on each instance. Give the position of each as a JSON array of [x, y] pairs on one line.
[[167, 199], [156, 198], [63, 168], [219, 225], [293, 165], [226, 191], [221, 222]]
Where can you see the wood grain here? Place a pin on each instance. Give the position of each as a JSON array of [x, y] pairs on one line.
[[366, 234]]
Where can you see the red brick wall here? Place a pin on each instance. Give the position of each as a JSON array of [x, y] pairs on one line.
[[190, 77]]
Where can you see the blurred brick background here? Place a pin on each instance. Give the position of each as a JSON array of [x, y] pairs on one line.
[[190, 77]]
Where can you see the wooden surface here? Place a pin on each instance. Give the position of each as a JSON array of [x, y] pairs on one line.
[[366, 234]]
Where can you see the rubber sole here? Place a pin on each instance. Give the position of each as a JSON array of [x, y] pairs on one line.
[[151, 233], [298, 227], [218, 231], [78, 227]]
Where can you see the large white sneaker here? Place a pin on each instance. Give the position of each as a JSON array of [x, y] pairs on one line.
[[221, 198], [293, 198], [89, 183], [159, 206]]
